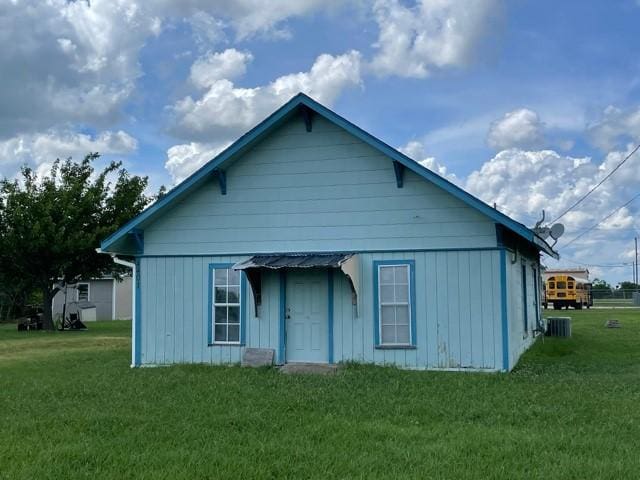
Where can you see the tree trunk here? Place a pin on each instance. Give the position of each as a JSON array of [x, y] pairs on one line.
[[47, 311]]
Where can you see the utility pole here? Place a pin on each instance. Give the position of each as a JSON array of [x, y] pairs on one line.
[[636, 264]]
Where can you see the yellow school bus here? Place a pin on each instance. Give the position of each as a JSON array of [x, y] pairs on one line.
[[567, 291]]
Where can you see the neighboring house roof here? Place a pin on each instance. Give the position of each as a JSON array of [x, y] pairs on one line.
[[216, 165]]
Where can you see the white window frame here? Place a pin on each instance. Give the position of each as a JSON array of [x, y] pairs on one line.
[[408, 305], [78, 291], [215, 304]]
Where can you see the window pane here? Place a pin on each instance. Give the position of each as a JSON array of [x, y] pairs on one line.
[[401, 274], [220, 276], [234, 333], [221, 333], [402, 293], [234, 277], [402, 315], [386, 293], [221, 295], [387, 315], [234, 295], [386, 275], [402, 332], [83, 292], [388, 334], [234, 314], [220, 314]]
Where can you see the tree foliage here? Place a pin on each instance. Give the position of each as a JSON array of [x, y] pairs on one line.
[[51, 226], [601, 288]]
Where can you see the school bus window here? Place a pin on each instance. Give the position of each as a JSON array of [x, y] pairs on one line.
[[552, 285], [570, 284], [561, 285]]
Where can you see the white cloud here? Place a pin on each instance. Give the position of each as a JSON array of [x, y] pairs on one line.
[[43, 148], [433, 34], [68, 61], [207, 30], [520, 128], [523, 183], [415, 150], [78, 61], [246, 17], [224, 111], [212, 67], [183, 160], [616, 126]]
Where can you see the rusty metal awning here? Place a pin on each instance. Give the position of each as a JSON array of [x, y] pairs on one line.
[[311, 260], [348, 263]]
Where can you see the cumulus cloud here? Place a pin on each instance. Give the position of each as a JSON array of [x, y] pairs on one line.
[[416, 151], [212, 67], [247, 18], [183, 160], [78, 62], [43, 148], [522, 183], [434, 34], [616, 126], [79, 65], [224, 110], [520, 128]]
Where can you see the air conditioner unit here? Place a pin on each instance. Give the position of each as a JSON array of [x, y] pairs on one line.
[[558, 327]]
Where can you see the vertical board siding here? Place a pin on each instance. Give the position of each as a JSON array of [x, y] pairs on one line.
[[315, 191], [458, 305], [519, 339]]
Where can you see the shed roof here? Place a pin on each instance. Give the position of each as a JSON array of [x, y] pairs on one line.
[[293, 106], [312, 260]]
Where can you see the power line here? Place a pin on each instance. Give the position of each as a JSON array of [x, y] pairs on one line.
[[600, 265], [601, 220], [579, 201]]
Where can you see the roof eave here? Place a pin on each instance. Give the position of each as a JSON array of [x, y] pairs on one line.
[[263, 127]]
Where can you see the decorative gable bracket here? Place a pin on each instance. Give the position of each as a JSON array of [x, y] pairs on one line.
[[137, 236], [222, 180], [307, 116], [398, 168]]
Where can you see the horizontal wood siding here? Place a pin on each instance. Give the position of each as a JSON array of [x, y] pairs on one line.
[[457, 312], [315, 191]]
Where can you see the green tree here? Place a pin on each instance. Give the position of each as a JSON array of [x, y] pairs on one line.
[[601, 289], [51, 226]]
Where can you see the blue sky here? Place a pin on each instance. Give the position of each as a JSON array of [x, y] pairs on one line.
[[524, 103]]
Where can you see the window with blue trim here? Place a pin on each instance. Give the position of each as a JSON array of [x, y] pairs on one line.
[[225, 313], [394, 304]]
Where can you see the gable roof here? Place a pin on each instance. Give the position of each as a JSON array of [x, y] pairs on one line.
[[276, 119]]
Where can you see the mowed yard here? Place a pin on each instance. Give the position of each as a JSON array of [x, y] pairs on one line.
[[70, 407]]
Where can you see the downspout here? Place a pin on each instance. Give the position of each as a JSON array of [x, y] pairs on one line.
[[134, 313]]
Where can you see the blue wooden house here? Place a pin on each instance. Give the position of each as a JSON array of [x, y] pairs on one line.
[[310, 237]]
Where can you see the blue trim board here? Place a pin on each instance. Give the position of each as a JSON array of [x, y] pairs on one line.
[[138, 319], [243, 308], [327, 252], [524, 299], [504, 310], [412, 301], [330, 311], [535, 293], [282, 319], [243, 315], [283, 113]]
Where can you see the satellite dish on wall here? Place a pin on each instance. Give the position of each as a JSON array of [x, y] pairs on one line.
[[556, 231]]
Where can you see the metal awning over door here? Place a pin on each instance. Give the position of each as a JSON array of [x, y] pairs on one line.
[[347, 262]]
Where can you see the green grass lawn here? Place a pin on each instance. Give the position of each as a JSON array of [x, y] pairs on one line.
[[70, 407]]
